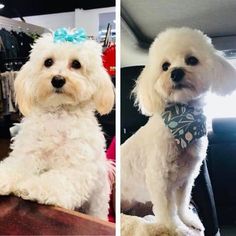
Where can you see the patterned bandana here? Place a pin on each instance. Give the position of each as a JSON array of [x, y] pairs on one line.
[[186, 123]]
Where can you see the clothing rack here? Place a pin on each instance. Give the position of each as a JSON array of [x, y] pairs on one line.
[[11, 24], [9, 113], [14, 64], [14, 61]]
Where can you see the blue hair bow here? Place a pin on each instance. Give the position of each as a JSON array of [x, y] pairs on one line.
[[63, 35]]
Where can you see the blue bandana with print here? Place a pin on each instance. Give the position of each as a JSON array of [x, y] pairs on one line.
[[185, 122]]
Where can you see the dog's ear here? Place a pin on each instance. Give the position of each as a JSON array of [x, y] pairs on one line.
[[146, 97], [104, 95], [24, 98], [223, 76]]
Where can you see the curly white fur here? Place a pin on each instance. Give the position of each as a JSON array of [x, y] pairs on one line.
[[153, 168], [58, 155]]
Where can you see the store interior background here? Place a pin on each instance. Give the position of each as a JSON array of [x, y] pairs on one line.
[[91, 14]]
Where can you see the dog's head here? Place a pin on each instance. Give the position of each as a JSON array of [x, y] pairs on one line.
[[64, 73], [182, 66]]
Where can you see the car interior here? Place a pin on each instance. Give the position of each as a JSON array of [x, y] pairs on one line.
[[214, 193]]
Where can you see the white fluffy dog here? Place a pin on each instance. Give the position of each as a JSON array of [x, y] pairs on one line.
[[58, 155], [156, 164]]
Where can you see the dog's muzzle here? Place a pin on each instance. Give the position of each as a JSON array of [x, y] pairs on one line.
[[58, 81], [177, 75]]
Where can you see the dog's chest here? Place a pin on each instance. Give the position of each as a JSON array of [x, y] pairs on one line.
[[162, 142], [62, 129], [53, 136], [182, 162]]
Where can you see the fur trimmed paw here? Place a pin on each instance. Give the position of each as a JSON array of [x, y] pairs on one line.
[[28, 191], [193, 221], [176, 223], [31, 190], [186, 231], [183, 231], [6, 184], [5, 188], [101, 215]]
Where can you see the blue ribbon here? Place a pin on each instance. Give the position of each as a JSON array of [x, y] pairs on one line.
[[63, 35]]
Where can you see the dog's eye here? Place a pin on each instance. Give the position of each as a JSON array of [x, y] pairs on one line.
[[191, 61], [75, 64], [165, 66], [48, 62]]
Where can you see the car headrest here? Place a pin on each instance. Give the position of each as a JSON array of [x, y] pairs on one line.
[[224, 125]]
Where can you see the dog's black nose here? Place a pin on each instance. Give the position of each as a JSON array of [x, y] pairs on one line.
[[177, 75], [58, 81]]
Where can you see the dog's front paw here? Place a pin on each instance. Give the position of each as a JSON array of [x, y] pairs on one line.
[[173, 224], [187, 231], [191, 219], [184, 231], [44, 194], [6, 183], [29, 190], [63, 201], [5, 188]]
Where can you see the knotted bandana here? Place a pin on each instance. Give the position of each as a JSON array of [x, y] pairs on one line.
[[186, 123]]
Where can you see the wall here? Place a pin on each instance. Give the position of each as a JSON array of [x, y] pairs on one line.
[[89, 19], [52, 21]]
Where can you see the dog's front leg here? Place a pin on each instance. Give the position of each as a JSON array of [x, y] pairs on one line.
[[67, 188], [183, 196], [7, 180], [162, 195], [99, 201], [11, 172]]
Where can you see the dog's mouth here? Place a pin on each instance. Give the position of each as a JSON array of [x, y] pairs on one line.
[[62, 93], [181, 86], [58, 91]]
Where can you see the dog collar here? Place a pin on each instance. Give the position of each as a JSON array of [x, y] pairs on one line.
[[185, 122]]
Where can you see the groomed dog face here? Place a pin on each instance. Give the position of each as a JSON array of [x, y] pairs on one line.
[[64, 73], [182, 66]]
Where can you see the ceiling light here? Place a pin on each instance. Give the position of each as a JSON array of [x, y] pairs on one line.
[[2, 6]]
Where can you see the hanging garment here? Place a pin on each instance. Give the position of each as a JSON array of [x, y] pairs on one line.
[[24, 42], [10, 43], [1, 100], [8, 94]]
